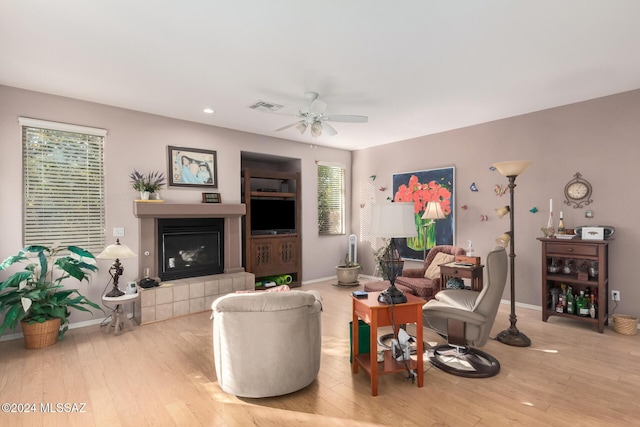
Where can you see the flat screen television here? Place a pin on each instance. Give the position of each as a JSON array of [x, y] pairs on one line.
[[273, 216]]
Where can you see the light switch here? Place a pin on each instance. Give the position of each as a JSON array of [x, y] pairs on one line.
[[118, 232]]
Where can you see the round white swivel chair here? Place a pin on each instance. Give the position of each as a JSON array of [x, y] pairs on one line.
[[267, 343]]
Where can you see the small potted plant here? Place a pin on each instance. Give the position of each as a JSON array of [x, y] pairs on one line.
[[379, 256], [36, 298], [348, 272], [147, 184]]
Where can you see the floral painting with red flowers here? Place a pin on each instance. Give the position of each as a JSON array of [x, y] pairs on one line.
[[435, 185]]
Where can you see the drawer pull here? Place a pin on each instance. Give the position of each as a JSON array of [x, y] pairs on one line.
[[570, 249]]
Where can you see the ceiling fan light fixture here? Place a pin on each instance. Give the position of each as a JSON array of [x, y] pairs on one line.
[[316, 129], [302, 126]]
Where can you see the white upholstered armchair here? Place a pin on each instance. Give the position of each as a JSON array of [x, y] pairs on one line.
[[267, 343]]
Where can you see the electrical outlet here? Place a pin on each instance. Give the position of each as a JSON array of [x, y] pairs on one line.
[[615, 295], [118, 232]]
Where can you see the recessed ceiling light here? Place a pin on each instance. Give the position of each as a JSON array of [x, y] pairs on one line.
[[209, 110]]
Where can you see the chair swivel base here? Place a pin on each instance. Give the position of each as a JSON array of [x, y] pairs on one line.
[[463, 362]]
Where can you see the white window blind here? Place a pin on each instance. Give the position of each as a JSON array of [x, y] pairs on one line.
[[331, 200], [63, 183]]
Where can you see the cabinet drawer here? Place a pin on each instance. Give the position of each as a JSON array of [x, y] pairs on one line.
[[564, 249]]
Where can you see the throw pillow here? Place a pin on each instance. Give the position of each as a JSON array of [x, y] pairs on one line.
[[433, 271]]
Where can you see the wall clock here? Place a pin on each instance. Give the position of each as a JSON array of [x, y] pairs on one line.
[[577, 191]]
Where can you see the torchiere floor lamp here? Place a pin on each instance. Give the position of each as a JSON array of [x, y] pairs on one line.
[[512, 336]]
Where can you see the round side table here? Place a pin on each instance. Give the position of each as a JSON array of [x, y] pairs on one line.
[[119, 317]]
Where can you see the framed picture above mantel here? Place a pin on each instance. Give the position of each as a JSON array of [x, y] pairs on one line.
[[192, 167]]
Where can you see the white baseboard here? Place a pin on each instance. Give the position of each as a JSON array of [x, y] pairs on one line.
[[322, 279], [523, 305], [75, 325]]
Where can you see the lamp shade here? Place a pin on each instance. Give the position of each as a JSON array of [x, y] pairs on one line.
[[393, 220], [503, 211], [504, 239], [117, 251], [433, 211], [512, 168]]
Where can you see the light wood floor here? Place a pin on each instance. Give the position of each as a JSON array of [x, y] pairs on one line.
[[162, 374]]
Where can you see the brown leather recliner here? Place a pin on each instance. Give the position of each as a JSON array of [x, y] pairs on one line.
[[414, 277]]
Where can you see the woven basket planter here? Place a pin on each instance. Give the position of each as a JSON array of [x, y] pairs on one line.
[[40, 335], [625, 324]]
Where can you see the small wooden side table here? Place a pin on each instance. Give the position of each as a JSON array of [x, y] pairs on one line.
[[119, 317], [376, 314], [455, 269]]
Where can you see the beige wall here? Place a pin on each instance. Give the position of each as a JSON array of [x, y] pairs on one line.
[[139, 140], [598, 138]]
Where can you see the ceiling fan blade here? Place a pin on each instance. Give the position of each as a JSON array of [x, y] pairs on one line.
[[345, 118], [289, 126], [317, 107], [328, 129]]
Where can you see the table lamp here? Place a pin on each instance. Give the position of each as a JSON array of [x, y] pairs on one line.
[[116, 252], [433, 211], [393, 220]]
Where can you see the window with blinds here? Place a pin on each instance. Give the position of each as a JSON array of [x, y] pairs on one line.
[[63, 183], [331, 200]]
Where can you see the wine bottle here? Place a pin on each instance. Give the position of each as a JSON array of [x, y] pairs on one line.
[[571, 302], [592, 307], [561, 229], [550, 229]]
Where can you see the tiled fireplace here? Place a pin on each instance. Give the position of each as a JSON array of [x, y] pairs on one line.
[[195, 294]]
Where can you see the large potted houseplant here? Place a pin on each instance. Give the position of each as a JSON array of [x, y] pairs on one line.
[[36, 297], [148, 185], [348, 272]]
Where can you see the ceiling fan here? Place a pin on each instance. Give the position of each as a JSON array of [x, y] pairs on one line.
[[312, 116]]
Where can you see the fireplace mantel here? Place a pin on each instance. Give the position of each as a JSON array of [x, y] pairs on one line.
[[188, 210], [149, 212]]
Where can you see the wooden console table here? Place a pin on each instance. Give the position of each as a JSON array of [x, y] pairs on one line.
[[453, 269], [376, 314]]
